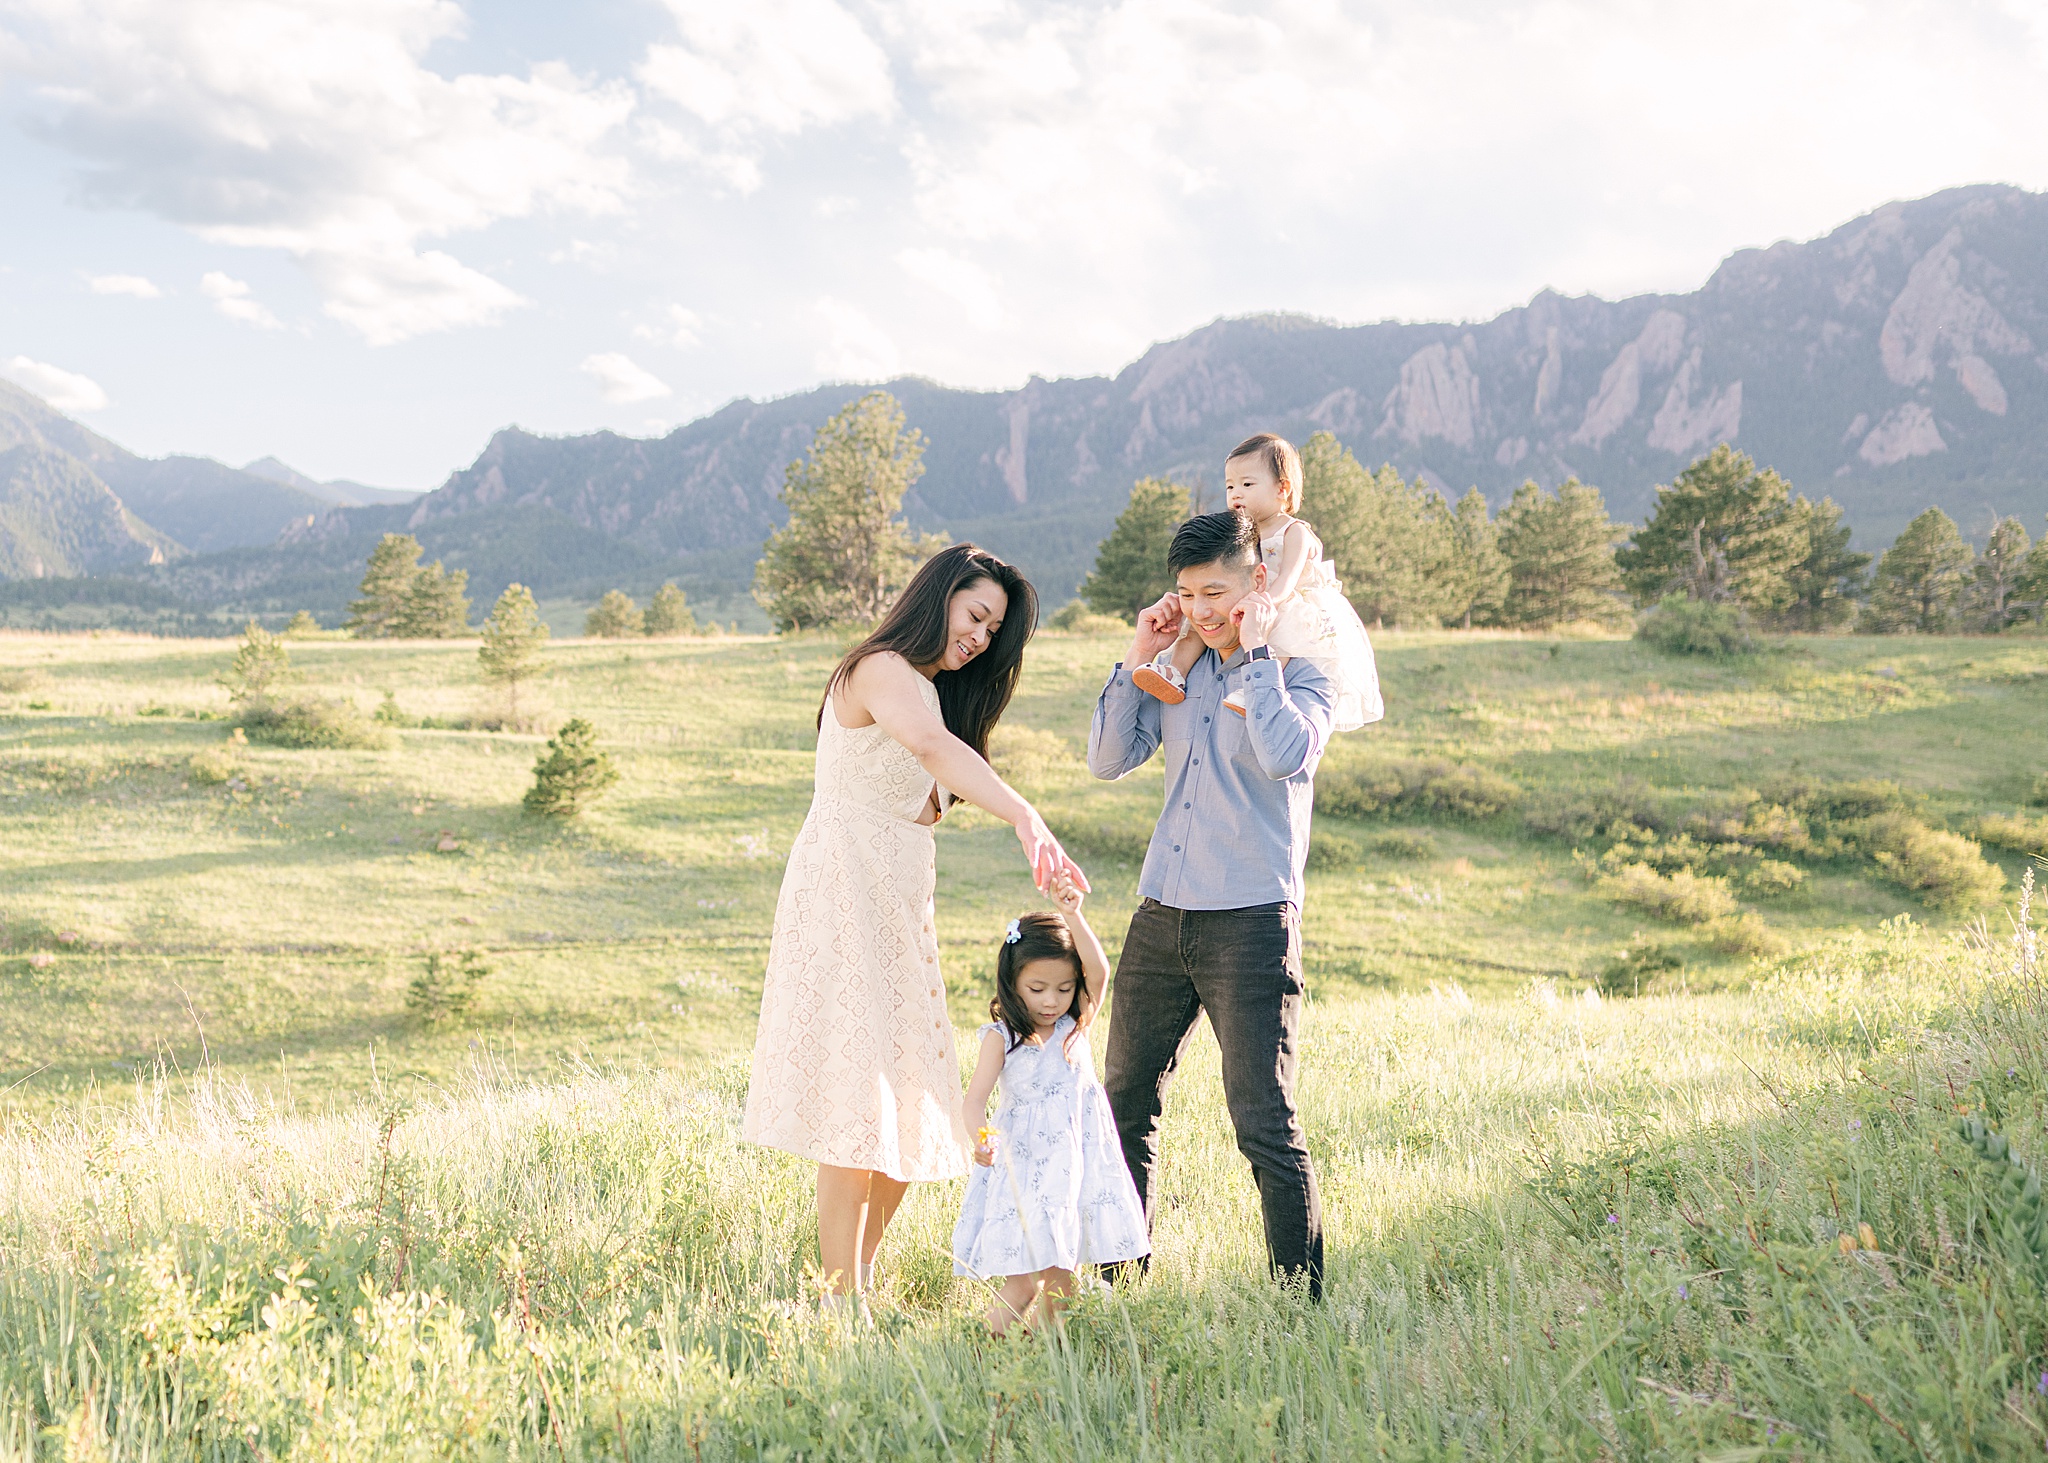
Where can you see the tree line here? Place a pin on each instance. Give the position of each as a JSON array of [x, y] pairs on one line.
[[1722, 531]]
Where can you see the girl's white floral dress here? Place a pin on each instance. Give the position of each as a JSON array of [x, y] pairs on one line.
[[1058, 1192]]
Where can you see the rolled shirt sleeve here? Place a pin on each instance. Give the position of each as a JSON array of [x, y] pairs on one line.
[[1125, 732], [1290, 715]]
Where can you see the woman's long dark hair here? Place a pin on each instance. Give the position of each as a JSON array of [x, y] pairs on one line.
[[973, 698], [1039, 937]]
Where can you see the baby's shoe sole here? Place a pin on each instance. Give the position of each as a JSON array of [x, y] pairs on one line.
[[1149, 680]]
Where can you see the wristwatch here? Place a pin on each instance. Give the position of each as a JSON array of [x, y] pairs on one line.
[[1259, 652]]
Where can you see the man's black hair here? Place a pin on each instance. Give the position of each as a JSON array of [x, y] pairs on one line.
[[1227, 538]]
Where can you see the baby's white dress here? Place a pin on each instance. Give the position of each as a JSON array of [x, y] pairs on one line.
[[1318, 624], [1058, 1192]]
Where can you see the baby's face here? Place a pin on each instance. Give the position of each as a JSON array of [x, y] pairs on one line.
[[1250, 487], [1047, 987]]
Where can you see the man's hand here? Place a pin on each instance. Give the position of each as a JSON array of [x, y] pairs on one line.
[[1158, 627], [1255, 615]]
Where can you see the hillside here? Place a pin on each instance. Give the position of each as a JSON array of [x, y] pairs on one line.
[[1899, 361]]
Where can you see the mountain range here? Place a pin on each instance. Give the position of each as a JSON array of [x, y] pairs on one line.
[[1899, 361]]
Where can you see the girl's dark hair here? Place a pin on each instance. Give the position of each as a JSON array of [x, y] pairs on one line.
[[1039, 937], [971, 699]]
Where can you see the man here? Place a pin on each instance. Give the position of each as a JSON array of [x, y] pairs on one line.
[[1219, 928]]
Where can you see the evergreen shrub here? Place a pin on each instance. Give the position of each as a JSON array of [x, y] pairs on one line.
[[571, 774], [1680, 625]]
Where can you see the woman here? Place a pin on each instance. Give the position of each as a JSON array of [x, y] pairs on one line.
[[854, 1063]]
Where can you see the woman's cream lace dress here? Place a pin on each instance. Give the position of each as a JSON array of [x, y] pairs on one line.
[[854, 1062]]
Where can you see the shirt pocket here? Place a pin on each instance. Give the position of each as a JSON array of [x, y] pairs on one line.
[[1176, 723]]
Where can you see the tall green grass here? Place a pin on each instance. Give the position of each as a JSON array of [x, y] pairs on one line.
[[1743, 1226]]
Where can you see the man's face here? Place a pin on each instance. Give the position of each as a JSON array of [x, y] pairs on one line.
[[1209, 592]]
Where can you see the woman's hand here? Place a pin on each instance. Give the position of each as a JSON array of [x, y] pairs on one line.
[[1048, 860]]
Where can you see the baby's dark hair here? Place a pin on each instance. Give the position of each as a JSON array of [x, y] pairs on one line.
[[1039, 937]]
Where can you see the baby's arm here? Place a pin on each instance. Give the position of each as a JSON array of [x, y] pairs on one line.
[[980, 1085], [1294, 551], [1094, 964]]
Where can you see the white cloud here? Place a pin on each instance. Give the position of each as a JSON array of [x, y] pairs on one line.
[[124, 284], [619, 379], [231, 297], [855, 348], [676, 326], [765, 68], [313, 127], [65, 390], [968, 285]]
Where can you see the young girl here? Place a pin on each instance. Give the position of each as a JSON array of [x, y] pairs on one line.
[[1262, 480], [1052, 1193]]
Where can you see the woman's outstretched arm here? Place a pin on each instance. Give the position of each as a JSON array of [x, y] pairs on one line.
[[884, 688]]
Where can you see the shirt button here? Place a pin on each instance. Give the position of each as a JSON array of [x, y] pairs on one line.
[[1187, 805], [1176, 848], [1196, 763], [1205, 718]]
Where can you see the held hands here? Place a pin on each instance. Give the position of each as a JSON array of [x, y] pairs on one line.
[[1255, 615], [985, 1147], [1067, 895], [1049, 862]]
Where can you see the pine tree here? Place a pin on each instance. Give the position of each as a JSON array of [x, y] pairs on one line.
[[302, 623], [387, 582], [615, 617], [571, 774], [1720, 529], [1389, 542], [845, 553], [436, 605], [1130, 565], [1560, 553], [1919, 578], [2031, 588], [668, 613], [261, 665], [1828, 577], [1477, 584], [1992, 600], [513, 634]]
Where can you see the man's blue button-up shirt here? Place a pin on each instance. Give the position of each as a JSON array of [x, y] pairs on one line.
[[1239, 789]]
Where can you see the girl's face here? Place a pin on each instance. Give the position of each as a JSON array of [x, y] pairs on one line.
[[973, 616], [1250, 487], [1047, 989]]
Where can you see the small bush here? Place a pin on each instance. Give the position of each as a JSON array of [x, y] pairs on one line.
[[1026, 752], [1946, 870], [1331, 850], [1680, 625], [2037, 798], [1413, 786], [16, 679], [1075, 618], [571, 774], [1580, 813], [1747, 934], [1769, 876], [2019, 833], [214, 765], [1681, 898], [302, 623], [389, 713], [1634, 967], [447, 987], [1402, 843], [313, 722]]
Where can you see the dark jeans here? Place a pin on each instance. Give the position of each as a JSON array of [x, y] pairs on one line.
[[1242, 966]]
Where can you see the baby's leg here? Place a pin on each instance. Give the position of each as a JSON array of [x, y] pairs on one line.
[[1186, 650], [1011, 1302]]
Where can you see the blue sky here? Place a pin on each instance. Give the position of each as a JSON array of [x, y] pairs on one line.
[[362, 235]]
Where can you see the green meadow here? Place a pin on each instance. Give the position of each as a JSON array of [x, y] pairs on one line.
[[1645, 993]]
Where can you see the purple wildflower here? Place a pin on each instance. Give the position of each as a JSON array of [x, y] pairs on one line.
[[1683, 1293]]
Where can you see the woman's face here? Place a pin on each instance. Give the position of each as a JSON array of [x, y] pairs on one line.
[[973, 616]]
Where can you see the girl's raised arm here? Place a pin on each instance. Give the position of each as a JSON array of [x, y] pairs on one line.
[[987, 1068], [1294, 549], [1094, 964]]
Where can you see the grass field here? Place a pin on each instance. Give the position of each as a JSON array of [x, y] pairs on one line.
[[256, 1208]]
